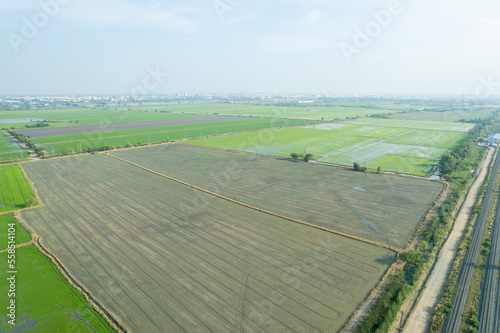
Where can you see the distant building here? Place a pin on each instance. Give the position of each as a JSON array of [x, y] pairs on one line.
[[493, 139]]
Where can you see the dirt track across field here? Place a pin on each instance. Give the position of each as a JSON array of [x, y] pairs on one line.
[[54, 131], [421, 316]]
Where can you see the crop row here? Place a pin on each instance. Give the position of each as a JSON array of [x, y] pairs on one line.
[[159, 267], [79, 142], [15, 190], [342, 200]]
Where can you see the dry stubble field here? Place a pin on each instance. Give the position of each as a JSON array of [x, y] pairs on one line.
[[220, 267], [381, 208]]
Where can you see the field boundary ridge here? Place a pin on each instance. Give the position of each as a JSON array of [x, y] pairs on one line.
[[397, 250]]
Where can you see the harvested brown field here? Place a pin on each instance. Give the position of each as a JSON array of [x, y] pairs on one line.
[[123, 233], [381, 208], [105, 127]]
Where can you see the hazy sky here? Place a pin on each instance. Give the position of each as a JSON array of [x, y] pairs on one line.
[[249, 46]]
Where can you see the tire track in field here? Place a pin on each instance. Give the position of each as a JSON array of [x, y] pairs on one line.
[[36, 241], [68, 250], [124, 241], [397, 250], [221, 242], [69, 278], [104, 254]]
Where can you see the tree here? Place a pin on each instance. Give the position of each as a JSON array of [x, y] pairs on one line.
[[308, 157], [379, 170], [412, 257], [448, 163], [30, 202], [295, 156], [357, 167]]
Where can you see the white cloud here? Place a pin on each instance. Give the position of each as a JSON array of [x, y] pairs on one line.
[[125, 13], [314, 15]]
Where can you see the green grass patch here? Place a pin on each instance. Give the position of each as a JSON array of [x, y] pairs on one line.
[[45, 301]]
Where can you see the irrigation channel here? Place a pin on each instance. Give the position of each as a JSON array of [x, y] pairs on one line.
[[454, 320]]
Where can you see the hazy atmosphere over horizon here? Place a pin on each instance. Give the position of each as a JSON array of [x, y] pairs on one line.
[[242, 46]]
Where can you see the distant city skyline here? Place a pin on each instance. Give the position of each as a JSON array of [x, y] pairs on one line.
[[132, 47]]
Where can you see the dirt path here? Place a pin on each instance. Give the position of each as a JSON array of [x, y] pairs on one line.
[[421, 316]]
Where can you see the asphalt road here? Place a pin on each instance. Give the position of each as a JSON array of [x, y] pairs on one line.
[[454, 320]]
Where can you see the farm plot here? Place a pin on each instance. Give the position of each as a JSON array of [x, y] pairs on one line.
[[81, 142], [417, 124], [15, 190], [68, 117], [65, 117], [375, 144], [381, 208], [10, 151], [45, 301], [449, 116], [35, 133], [123, 232], [314, 111]]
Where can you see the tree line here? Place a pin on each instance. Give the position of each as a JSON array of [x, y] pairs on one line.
[[27, 141], [304, 157]]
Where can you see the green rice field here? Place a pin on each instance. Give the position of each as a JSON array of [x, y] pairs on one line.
[[334, 110], [449, 116], [394, 145], [78, 142], [15, 189], [22, 236], [10, 151]]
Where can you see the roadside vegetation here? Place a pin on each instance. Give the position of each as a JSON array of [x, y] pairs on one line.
[[455, 168]]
